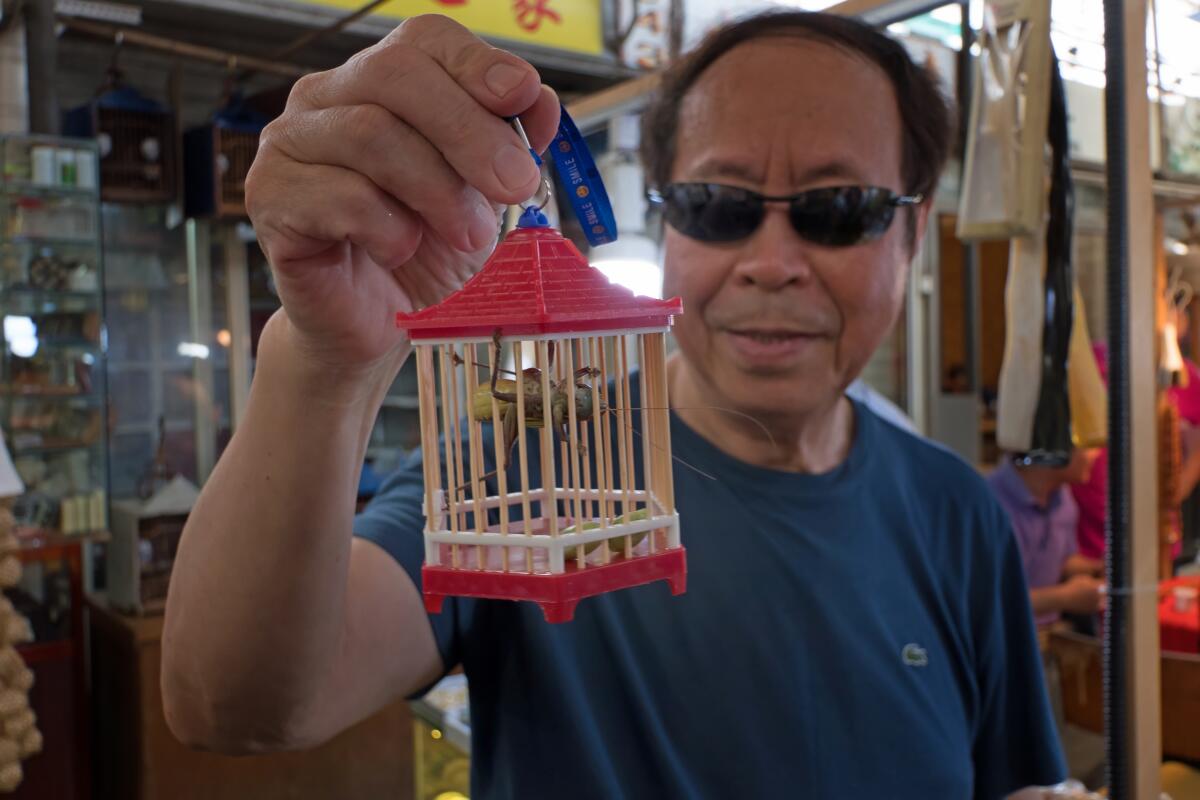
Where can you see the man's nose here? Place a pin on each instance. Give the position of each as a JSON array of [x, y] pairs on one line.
[[774, 256]]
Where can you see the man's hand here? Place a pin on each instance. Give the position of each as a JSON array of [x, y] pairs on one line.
[[377, 190], [1081, 594], [1077, 564]]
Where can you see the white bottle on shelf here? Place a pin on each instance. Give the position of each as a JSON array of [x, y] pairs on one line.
[[85, 169], [44, 165]]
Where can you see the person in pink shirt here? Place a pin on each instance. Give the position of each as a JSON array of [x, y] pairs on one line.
[[1091, 496]]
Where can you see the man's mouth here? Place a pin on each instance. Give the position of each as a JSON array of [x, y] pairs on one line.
[[771, 346], [769, 336]]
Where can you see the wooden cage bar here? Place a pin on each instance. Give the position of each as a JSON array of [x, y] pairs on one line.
[[451, 455], [427, 400]]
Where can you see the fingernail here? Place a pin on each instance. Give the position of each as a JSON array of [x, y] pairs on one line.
[[503, 78], [514, 167], [483, 227]]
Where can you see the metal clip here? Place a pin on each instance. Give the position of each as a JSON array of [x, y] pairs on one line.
[[544, 190]]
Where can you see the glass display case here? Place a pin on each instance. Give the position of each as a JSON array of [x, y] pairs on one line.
[[53, 393], [167, 364], [442, 741], [397, 428]]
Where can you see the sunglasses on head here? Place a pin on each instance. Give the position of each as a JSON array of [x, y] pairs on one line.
[[835, 216]]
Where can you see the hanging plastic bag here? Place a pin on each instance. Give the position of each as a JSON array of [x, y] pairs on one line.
[[1034, 408], [1003, 188]]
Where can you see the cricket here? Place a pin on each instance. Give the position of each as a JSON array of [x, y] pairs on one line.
[[563, 392]]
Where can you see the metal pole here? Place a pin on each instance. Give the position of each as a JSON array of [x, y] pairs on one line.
[[211, 54], [199, 255], [41, 60], [237, 314], [1132, 713]]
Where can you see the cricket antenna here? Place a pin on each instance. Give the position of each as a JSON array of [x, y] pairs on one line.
[[733, 411]]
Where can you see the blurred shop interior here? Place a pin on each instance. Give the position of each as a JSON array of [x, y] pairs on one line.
[[133, 294]]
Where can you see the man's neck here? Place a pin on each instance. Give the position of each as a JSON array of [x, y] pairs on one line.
[[814, 442], [1042, 483]]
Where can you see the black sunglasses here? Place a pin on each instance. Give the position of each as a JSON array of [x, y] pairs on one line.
[[836, 216]]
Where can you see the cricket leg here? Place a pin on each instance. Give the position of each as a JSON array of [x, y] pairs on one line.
[[496, 354], [510, 439]]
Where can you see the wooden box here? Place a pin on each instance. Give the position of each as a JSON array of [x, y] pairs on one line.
[[145, 536]]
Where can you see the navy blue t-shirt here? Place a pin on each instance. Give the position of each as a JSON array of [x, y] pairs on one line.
[[862, 633]]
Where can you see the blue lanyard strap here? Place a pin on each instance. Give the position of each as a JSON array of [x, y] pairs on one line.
[[578, 172], [585, 189]]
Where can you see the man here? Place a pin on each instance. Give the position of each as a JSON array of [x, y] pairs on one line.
[[1044, 519], [856, 623]]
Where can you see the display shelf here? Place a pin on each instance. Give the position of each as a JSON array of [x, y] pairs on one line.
[[52, 386], [52, 446], [78, 400], [52, 241], [26, 189], [45, 263], [40, 392], [41, 539], [68, 343], [28, 306], [49, 295]]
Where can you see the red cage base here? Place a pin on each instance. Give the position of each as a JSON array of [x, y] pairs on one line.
[[556, 594]]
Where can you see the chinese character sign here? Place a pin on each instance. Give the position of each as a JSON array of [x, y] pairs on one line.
[[530, 13], [574, 25]]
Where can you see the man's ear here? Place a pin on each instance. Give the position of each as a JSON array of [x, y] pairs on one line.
[[920, 221]]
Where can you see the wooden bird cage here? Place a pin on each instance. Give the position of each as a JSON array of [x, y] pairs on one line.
[[217, 157], [586, 504], [138, 144]]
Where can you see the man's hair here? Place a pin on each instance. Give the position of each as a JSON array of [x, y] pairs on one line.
[[926, 116]]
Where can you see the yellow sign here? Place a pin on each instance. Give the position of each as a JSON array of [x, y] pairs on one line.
[[574, 25]]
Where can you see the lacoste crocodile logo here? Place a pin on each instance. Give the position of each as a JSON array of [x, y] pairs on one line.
[[913, 655]]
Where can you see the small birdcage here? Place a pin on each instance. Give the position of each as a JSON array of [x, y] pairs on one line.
[[596, 512], [138, 143], [216, 159]]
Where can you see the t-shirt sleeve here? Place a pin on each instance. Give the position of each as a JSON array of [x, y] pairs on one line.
[[1016, 742], [394, 520]]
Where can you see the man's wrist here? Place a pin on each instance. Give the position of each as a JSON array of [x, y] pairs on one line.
[[285, 359]]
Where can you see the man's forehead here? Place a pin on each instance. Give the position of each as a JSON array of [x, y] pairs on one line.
[[747, 165], [829, 109], [787, 78]]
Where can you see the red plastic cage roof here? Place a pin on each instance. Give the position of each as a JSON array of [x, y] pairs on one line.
[[537, 282]]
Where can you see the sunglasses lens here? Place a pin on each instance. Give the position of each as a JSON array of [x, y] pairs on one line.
[[839, 216], [843, 216], [712, 213]]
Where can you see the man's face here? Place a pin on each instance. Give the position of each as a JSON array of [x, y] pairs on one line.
[[775, 325]]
